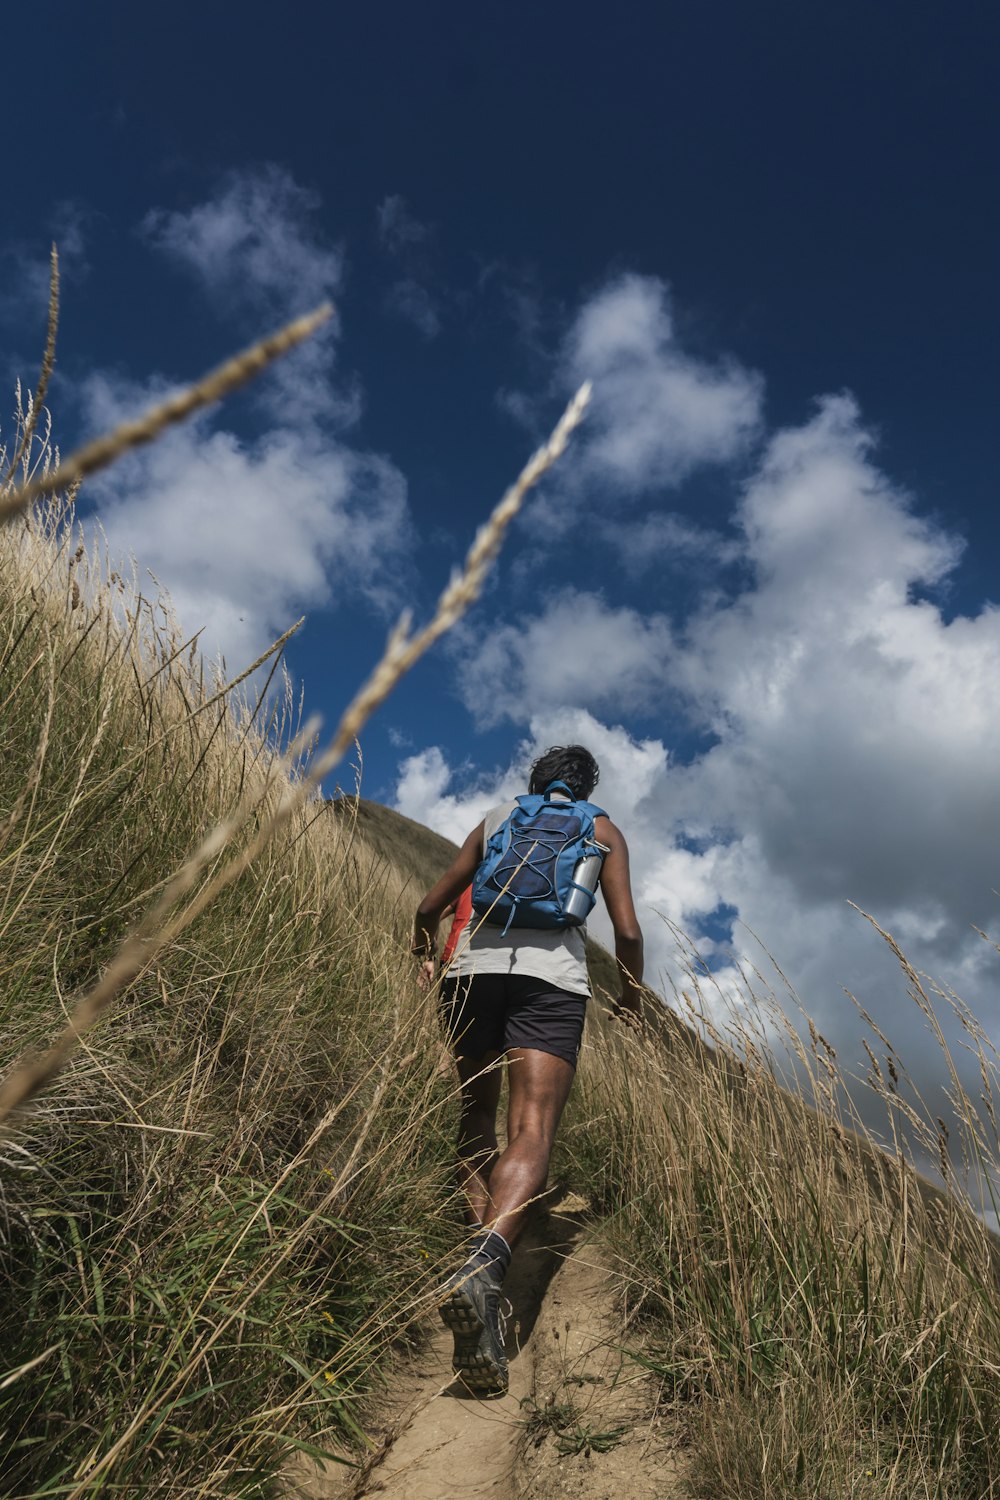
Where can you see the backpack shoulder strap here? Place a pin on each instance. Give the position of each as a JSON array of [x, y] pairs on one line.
[[533, 802], [530, 803], [558, 786], [594, 810]]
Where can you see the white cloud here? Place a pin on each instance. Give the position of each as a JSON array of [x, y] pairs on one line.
[[255, 251], [421, 794], [859, 725], [658, 412], [253, 244], [247, 533], [667, 539], [578, 653]]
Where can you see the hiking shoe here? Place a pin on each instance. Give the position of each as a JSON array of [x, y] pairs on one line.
[[470, 1307]]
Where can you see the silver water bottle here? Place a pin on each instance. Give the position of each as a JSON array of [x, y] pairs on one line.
[[586, 874]]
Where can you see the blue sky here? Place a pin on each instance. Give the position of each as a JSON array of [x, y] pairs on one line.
[[761, 585]]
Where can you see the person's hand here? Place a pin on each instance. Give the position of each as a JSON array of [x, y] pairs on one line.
[[425, 974]]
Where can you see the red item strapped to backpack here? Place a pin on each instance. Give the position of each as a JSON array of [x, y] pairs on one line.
[[463, 911]]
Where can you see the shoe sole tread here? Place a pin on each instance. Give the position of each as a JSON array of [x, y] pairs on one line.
[[477, 1368]]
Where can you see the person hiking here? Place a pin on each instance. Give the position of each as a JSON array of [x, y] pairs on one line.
[[518, 994]]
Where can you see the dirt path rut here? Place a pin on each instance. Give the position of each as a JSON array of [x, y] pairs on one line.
[[576, 1418]]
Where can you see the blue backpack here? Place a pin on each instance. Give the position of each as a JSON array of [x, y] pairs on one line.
[[526, 875]]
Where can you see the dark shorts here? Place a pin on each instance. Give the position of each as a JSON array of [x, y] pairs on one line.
[[493, 1012]]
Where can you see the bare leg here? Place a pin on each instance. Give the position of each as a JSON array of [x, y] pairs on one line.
[[499, 1189], [539, 1086], [477, 1133]]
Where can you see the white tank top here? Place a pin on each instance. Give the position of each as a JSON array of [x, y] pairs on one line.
[[559, 957]]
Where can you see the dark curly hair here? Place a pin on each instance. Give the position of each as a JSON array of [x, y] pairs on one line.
[[570, 763]]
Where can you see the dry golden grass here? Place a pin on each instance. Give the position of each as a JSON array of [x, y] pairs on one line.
[[220, 1169], [225, 1206], [823, 1321]]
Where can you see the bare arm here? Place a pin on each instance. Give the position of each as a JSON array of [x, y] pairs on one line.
[[448, 889], [616, 885]]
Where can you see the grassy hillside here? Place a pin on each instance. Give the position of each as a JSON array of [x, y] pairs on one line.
[[412, 856], [215, 1221], [236, 1195]]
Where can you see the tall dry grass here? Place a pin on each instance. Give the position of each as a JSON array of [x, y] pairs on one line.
[[822, 1321], [227, 1201], [222, 1211]]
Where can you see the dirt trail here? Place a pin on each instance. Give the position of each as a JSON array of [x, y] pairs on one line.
[[574, 1422]]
